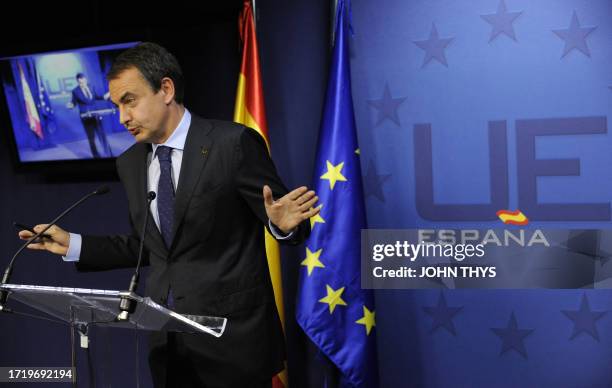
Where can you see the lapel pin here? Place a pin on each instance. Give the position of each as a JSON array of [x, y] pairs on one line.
[[204, 151]]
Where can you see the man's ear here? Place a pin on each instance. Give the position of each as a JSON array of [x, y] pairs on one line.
[[167, 88]]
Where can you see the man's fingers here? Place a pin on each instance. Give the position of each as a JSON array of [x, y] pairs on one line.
[[25, 234], [52, 247], [267, 194], [57, 249], [305, 197], [308, 204], [40, 227], [312, 212], [295, 194], [37, 246], [53, 230], [47, 245]]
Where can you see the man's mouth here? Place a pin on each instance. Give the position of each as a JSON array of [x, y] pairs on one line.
[[134, 131]]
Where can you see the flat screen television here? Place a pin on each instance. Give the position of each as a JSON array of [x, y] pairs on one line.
[[59, 107]]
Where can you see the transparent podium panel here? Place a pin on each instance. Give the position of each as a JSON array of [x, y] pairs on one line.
[[101, 307]]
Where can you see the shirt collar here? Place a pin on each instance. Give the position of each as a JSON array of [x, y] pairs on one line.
[[179, 136]]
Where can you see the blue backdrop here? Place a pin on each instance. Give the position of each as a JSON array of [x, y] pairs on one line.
[[465, 108]]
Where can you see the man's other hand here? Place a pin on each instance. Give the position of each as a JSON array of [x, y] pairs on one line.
[[289, 211]]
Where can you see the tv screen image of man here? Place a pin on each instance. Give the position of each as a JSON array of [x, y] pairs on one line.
[[85, 96], [217, 188]]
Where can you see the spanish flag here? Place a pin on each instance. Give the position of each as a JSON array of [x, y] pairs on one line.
[[512, 217], [31, 110], [250, 111]]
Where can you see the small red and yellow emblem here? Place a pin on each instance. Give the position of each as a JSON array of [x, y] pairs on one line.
[[512, 217]]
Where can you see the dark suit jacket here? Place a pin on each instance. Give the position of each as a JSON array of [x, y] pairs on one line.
[[216, 264], [85, 104]]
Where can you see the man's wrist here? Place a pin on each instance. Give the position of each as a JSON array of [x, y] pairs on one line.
[[74, 248], [278, 233]]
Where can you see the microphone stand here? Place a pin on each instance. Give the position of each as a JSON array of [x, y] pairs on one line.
[[127, 305], [9, 269]]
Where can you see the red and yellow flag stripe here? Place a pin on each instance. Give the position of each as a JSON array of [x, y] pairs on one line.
[[250, 111], [512, 217], [30, 104]]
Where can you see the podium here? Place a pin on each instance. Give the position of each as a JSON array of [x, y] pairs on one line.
[[98, 113], [81, 307]]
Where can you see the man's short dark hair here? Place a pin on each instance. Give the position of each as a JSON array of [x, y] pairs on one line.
[[80, 75], [154, 63]]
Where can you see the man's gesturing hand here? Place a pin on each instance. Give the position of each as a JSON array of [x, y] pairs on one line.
[[289, 211], [58, 243]]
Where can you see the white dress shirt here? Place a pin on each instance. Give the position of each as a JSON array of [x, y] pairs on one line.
[[87, 92]]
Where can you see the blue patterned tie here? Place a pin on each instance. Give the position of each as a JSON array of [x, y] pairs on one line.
[[165, 194]]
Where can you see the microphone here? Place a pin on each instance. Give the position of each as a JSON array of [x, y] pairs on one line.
[[101, 190], [127, 306], [9, 268]]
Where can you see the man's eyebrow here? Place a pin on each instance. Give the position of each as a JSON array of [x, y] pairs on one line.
[[125, 96]]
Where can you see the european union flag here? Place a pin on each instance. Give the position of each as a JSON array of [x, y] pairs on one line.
[[333, 310]]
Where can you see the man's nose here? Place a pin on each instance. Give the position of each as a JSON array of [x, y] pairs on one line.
[[124, 117]]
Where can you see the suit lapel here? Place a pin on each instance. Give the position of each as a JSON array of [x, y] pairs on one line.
[[195, 155]]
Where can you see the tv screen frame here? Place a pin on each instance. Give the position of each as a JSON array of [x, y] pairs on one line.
[[57, 111]]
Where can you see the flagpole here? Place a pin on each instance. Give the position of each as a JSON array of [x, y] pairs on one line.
[[254, 7], [332, 20]]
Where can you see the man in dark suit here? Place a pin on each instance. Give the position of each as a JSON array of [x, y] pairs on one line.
[[215, 185], [85, 96]]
